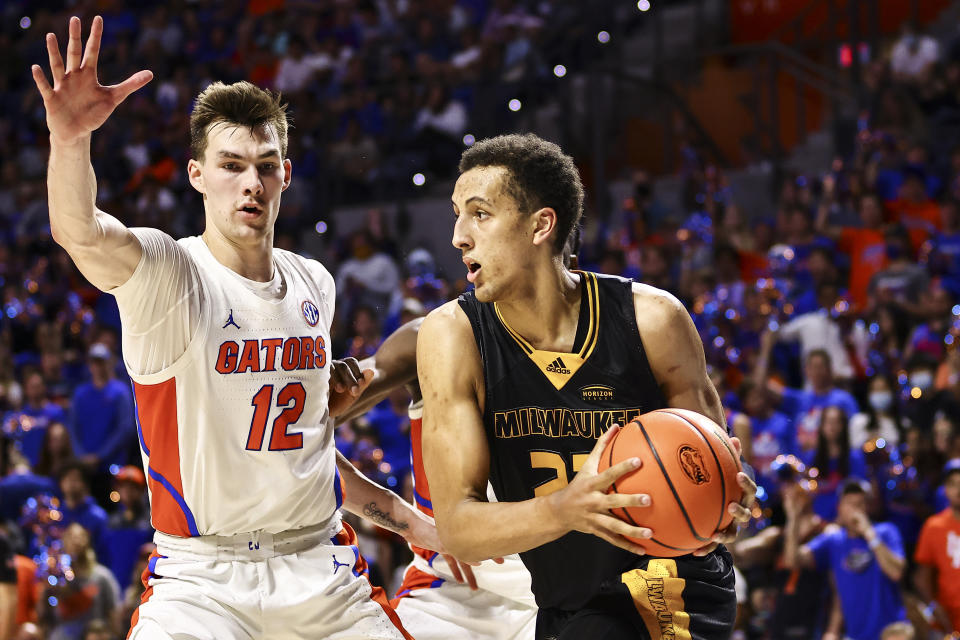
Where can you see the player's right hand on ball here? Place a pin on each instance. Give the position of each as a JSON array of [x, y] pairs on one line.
[[77, 103], [584, 504]]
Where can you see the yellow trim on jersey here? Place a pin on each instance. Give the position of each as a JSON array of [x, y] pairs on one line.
[[658, 596], [559, 366]]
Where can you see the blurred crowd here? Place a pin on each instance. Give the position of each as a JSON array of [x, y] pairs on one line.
[[830, 324]]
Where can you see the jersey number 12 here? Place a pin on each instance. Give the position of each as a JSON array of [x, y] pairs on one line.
[[291, 398]]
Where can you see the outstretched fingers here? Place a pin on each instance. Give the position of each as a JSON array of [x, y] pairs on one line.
[[46, 91], [74, 48], [131, 84], [56, 61], [92, 53]]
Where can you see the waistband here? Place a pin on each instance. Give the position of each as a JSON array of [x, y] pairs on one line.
[[251, 546]]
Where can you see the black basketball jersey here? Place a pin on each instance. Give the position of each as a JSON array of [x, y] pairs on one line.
[[543, 414]]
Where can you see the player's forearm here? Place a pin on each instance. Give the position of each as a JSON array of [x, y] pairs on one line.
[[474, 531], [372, 502], [72, 194]]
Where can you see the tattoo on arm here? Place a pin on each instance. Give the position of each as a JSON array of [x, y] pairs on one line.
[[372, 511]]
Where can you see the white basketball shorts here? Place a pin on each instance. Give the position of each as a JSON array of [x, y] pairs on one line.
[[310, 583]]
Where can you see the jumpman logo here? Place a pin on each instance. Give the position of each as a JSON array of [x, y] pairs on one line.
[[337, 565], [230, 321]]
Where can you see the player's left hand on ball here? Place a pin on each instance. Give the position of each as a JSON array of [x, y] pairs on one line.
[[741, 511], [347, 382]]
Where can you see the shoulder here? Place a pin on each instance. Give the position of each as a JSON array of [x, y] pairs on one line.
[[887, 529], [158, 244], [938, 521], [657, 309], [447, 351], [447, 319]]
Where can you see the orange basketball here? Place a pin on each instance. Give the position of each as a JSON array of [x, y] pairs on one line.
[[689, 471]]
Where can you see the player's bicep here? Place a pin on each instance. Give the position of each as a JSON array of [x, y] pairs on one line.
[[675, 353], [455, 452]]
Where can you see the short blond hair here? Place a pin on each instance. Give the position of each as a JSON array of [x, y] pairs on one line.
[[241, 103], [897, 629]]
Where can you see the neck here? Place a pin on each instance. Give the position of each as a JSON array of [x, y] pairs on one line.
[[955, 511], [820, 390], [545, 308], [252, 261]]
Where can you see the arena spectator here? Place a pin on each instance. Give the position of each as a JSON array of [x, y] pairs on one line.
[[764, 432], [368, 276], [20, 483], [128, 527], [80, 507], [8, 587], [91, 594], [944, 258], [103, 422], [864, 245], [865, 560], [30, 423], [819, 330], [902, 281], [801, 597], [833, 461], [57, 449], [937, 574], [804, 405], [881, 419]]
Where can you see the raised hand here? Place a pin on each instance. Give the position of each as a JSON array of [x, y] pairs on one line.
[[77, 104], [584, 504]]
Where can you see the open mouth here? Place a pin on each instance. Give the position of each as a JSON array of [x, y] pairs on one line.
[[251, 210], [473, 268]]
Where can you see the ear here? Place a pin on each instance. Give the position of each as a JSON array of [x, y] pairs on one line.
[[287, 173], [545, 225], [195, 174]]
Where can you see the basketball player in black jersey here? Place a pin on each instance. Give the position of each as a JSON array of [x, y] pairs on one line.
[[524, 381]]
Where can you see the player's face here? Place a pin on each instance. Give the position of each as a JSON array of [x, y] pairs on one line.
[[951, 488], [495, 238], [241, 177]]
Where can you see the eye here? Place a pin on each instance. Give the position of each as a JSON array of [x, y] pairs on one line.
[[231, 166], [269, 166], [481, 214]]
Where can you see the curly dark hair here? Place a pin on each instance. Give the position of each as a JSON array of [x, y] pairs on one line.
[[540, 175]]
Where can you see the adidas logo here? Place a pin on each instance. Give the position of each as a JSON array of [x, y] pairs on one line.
[[557, 366]]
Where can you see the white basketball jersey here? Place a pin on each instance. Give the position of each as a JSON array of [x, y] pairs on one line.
[[235, 433]]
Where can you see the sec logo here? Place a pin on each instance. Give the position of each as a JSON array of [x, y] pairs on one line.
[[310, 313]]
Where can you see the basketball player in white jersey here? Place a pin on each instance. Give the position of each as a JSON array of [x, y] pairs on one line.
[[441, 598], [227, 342]]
